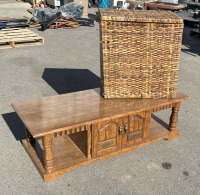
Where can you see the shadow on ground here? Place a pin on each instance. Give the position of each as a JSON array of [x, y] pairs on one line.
[[15, 125], [160, 121], [70, 80], [93, 16], [192, 43], [62, 81]]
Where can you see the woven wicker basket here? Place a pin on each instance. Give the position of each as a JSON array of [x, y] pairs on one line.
[[140, 53]]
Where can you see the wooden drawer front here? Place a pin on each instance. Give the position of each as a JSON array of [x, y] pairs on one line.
[[105, 137]]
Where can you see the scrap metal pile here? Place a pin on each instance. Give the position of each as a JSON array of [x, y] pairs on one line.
[[68, 16], [13, 23]]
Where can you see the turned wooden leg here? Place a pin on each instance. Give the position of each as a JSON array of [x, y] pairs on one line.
[[48, 153], [29, 137], [174, 117]]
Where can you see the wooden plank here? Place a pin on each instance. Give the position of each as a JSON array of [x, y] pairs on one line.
[[20, 45], [20, 39], [18, 33], [13, 34]]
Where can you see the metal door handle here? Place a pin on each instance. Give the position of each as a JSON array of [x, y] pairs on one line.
[[125, 127], [120, 129]]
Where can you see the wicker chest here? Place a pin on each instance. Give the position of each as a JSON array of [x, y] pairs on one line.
[[140, 53]]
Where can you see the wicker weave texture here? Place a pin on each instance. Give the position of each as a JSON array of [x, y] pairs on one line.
[[140, 16], [138, 59]]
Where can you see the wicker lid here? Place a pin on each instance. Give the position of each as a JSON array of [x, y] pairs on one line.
[[140, 16]]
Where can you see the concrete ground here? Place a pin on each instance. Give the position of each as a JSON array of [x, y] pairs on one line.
[[69, 61]]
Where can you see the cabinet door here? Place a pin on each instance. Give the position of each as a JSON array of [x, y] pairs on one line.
[[106, 137], [136, 128]]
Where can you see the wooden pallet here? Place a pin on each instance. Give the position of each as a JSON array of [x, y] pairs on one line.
[[17, 37]]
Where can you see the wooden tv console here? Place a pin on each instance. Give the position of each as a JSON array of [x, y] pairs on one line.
[[71, 130]]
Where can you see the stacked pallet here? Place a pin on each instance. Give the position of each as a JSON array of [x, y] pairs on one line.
[[17, 37]]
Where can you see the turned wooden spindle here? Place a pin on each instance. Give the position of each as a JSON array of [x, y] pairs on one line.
[[29, 137], [174, 117], [48, 153]]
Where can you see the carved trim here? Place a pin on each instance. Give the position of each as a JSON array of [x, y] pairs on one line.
[[164, 107], [135, 116], [99, 130], [73, 130]]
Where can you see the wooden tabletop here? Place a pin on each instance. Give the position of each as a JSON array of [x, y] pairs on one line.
[[49, 114]]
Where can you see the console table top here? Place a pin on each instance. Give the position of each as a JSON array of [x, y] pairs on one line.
[[49, 114]]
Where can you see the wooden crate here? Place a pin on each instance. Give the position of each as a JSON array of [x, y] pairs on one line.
[[17, 37], [140, 53]]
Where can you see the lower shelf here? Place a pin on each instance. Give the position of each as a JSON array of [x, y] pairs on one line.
[[67, 155]]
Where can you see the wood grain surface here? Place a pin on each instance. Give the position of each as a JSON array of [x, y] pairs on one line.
[[56, 113]]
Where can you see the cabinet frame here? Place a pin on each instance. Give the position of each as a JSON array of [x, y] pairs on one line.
[[123, 130]]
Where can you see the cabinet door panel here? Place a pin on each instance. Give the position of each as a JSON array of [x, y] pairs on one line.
[[106, 137], [136, 127]]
